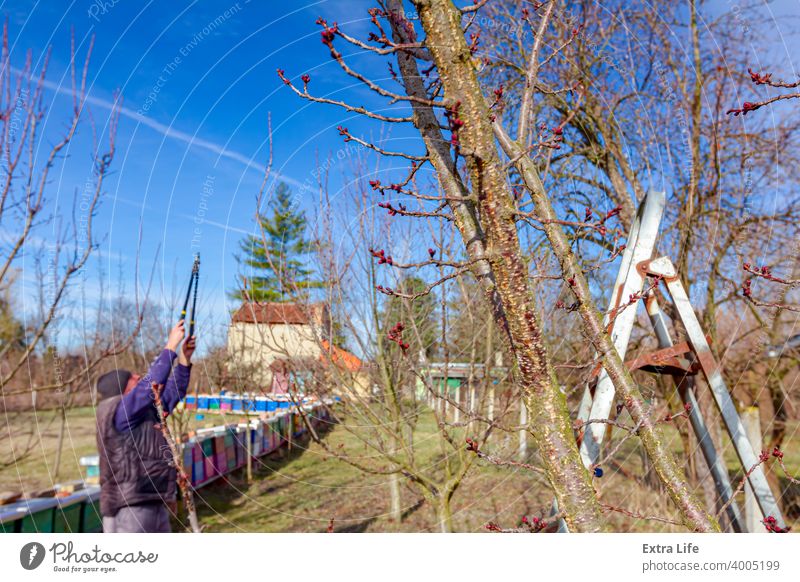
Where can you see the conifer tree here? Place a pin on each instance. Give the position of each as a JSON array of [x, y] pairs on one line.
[[275, 257]]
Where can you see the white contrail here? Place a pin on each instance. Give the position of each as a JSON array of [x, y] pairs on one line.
[[170, 132]]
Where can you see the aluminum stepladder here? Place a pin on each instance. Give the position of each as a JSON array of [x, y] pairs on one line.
[[672, 360]]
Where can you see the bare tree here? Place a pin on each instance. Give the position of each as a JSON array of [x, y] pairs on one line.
[[473, 175], [58, 245]]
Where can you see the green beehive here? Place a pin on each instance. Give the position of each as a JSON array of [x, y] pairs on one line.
[[67, 518], [208, 447], [91, 520], [9, 526], [38, 522]]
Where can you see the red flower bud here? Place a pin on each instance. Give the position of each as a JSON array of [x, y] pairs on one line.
[[329, 33], [760, 79]]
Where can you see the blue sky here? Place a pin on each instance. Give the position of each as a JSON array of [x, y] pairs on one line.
[[197, 94], [192, 140]]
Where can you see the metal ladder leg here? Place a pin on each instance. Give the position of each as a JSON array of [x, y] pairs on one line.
[[685, 387], [641, 243], [663, 267]]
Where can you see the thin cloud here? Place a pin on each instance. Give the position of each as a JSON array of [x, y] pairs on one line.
[[171, 132]]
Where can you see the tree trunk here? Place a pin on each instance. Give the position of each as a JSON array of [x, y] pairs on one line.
[[249, 446], [493, 246], [444, 514], [60, 444], [692, 511], [395, 509]]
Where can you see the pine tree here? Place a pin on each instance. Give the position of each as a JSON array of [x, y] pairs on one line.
[[275, 262]]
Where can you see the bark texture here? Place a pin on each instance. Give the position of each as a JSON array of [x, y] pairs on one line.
[[493, 245]]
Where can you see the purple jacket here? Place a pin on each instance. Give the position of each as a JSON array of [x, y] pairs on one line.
[[137, 405]]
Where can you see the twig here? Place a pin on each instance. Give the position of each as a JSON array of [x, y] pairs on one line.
[[183, 480]]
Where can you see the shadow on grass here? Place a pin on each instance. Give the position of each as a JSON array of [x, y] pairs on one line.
[[362, 526], [231, 491]]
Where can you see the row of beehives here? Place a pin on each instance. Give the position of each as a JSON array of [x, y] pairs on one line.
[[216, 451], [242, 403], [206, 456]]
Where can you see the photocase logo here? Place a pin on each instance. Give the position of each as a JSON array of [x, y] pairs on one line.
[[31, 555]]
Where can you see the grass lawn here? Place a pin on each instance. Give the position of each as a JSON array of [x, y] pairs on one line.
[[303, 489], [29, 440]]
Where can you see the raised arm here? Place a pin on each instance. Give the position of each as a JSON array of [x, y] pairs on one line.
[[137, 404], [178, 382]]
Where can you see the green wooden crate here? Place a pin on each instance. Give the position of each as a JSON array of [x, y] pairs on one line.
[[91, 520], [10, 526], [208, 447], [67, 519], [38, 522]]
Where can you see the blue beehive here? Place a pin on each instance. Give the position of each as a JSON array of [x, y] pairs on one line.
[[236, 403], [202, 402], [249, 403], [272, 405], [261, 404], [283, 404]]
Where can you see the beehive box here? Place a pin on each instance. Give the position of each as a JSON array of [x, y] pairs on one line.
[[197, 451], [38, 521], [209, 470], [67, 518], [91, 519], [198, 471], [188, 456], [208, 447]]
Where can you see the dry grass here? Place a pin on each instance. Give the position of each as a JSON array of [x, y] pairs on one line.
[[302, 490]]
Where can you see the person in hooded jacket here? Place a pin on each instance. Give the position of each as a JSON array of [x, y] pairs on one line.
[[138, 482]]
